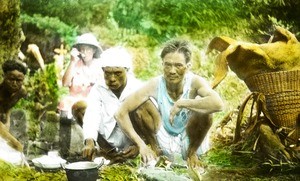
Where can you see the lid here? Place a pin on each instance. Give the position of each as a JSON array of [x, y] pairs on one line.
[[81, 165]]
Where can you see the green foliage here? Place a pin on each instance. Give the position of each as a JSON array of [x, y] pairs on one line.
[[43, 95], [124, 172], [10, 172], [225, 157], [263, 12], [10, 30], [143, 48], [167, 19], [73, 12], [52, 25], [142, 26], [43, 87]]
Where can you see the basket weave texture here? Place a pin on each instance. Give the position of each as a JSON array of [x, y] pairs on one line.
[[282, 93]]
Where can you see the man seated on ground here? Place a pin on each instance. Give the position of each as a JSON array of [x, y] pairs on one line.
[[185, 102], [11, 91], [104, 99]]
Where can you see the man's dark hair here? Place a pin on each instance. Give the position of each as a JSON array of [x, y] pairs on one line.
[[181, 46], [11, 65]]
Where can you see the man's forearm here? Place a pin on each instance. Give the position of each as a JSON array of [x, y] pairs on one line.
[[128, 129], [205, 105]]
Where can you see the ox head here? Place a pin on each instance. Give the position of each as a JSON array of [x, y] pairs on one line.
[[282, 52]]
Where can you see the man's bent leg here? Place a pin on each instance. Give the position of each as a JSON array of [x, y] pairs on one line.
[[120, 151], [103, 144], [197, 128], [146, 121]]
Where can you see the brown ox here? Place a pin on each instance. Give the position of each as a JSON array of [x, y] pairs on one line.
[[272, 71]]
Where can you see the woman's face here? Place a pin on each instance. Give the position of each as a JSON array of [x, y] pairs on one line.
[[13, 81], [174, 67], [87, 52]]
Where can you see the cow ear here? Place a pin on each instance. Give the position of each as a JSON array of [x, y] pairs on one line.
[[220, 69], [283, 35], [220, 43]]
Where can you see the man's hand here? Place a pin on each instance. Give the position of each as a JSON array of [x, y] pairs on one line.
[[147, 154], [130, 152], [174, 110], [117, 157], [89, 150]]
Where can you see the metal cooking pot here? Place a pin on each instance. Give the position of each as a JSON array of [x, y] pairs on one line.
[[82, 171]]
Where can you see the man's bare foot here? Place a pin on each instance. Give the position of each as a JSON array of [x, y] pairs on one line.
[[157, 150], [195, 164], [130, 152]]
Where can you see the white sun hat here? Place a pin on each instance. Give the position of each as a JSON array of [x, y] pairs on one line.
[[89, 39], [116, 57]]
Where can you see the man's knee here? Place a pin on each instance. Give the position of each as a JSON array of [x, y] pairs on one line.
[[148, 115], [200, 121], [78, 110]]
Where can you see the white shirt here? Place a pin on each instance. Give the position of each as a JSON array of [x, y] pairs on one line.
[[102, 105]]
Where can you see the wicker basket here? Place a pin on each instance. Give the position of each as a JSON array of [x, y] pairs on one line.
[[282, 93]]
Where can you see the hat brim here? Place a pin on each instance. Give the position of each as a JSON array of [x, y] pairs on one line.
[[98, 49]]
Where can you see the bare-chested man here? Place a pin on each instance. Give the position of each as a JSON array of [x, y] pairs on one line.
[[185, 102], [11, 91], [11, 88]]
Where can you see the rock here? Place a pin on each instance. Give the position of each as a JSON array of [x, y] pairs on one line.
[[70, 138], [50, 128], [18, 126], [160, 174]]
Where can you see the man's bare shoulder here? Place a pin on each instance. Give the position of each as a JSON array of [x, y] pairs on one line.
[[153, 81], [135, 99], [150, 87], [198, 81]]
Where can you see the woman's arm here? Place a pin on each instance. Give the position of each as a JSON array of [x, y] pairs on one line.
[[69, 73]]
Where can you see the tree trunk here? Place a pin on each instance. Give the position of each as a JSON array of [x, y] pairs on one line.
[[10, 30]]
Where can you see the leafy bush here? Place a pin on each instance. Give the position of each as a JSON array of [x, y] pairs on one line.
[[262, 13], [11, 172], [43, 95], [52, 25], [77, 13], [167, 19]]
